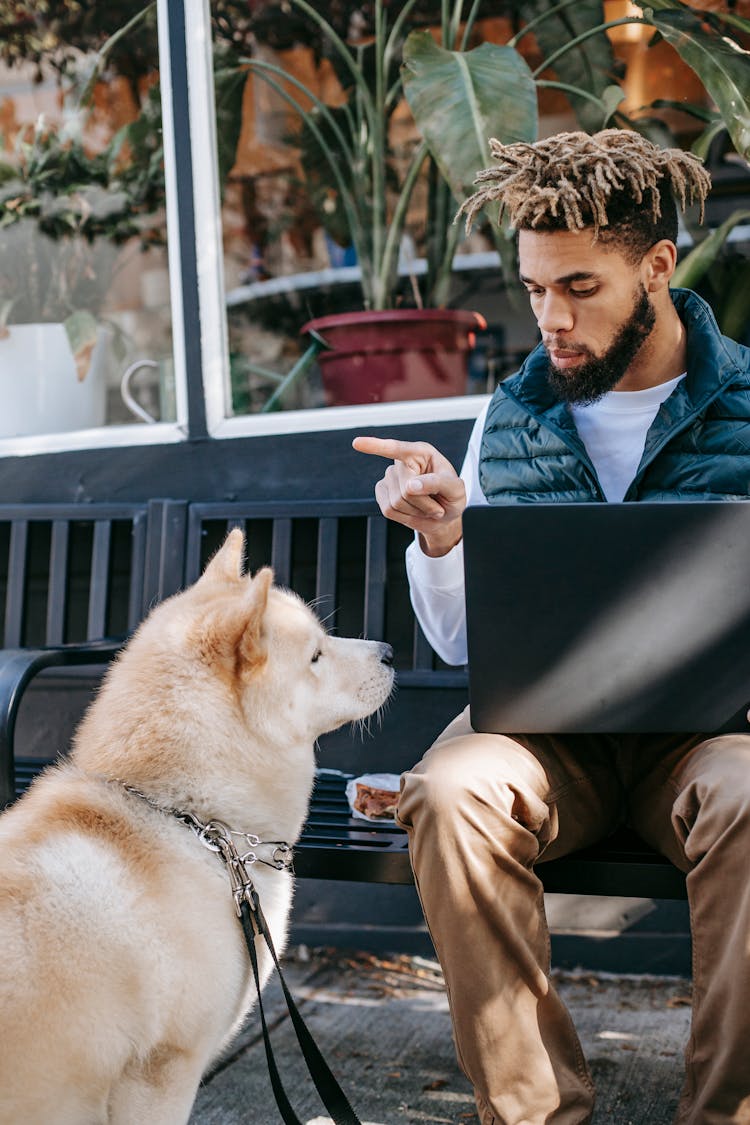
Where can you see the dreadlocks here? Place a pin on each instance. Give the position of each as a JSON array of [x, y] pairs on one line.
[[574, 181]]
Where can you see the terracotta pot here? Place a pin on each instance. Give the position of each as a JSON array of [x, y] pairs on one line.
[[397, 355]]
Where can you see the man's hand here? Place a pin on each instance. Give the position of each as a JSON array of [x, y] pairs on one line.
[[421, 490]]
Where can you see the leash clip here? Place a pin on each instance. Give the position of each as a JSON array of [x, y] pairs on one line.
[[219, 835]]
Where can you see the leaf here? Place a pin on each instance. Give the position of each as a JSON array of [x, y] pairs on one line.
[[81, 329], [733, 314], [692, 268], [5, 311], [229, 85], [100, 58], [702, 144], [591, 66], [721, 64], [716, 19], [611, 98], [461, 99], [690, 108]]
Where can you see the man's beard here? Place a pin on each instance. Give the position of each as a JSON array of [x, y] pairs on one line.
[[596, 375]]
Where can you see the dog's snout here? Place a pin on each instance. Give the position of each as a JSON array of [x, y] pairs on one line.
[[386, 655]]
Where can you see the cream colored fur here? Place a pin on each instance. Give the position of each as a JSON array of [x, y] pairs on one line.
[[123, 970]]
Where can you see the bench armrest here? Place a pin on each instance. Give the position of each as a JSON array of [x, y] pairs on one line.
[[18, 667]]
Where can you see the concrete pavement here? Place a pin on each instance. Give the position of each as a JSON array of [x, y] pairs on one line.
[[383, 1025]]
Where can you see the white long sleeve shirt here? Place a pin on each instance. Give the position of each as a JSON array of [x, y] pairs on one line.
[[613, 430]]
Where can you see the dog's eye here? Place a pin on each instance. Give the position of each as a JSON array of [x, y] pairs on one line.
[[316, 656]]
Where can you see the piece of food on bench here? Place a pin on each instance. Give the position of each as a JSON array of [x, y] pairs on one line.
[[375, 802], [374, 796]]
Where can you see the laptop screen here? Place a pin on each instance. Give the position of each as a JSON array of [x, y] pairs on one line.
[[610, 618]]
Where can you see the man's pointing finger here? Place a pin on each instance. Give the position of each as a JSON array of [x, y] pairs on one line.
[[390, 448]]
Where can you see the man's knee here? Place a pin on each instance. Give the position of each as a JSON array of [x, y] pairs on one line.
[[485, 776], [714, 809]]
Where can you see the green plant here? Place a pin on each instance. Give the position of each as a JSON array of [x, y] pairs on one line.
[[723, 275], [63, 215], [451, 93], [365, 187]]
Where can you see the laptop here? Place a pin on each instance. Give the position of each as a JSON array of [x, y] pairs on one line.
[[612, 618]]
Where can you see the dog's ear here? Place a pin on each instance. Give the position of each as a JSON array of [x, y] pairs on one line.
[[227, 564], [252, 648], [231, 629]]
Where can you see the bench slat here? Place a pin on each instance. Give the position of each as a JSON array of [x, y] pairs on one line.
[[16, 594], [326, 574], [99, 587], [281, 551], [58, 582], [375, 578]]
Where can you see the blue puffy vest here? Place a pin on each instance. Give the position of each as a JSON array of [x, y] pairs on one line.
[[698, 446]]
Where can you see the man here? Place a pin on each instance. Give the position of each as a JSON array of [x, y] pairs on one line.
[[633, 394]]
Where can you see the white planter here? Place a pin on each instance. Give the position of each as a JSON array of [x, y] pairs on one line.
[[40, 392]]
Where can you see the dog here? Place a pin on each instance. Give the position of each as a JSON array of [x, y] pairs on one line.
[[123, 968]]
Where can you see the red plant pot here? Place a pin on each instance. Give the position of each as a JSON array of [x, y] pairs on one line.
[[396, 355]]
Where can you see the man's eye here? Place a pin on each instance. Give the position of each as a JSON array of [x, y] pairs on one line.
[[316, 656], [583, 292]]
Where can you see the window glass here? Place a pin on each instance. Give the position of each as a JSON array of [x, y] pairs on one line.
[[84, 284], [331, 207]]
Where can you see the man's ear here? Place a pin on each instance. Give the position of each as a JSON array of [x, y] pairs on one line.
[[659, 263], [231, 629], [227, 564]]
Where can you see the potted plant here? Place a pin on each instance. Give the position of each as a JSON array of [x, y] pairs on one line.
[[65, 212], [366, 185], [459, 98], [445, 92]]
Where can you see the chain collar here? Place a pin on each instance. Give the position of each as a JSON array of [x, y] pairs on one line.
[[219, 837]]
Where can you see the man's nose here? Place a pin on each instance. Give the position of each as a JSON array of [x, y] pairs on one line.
[[555, 315]]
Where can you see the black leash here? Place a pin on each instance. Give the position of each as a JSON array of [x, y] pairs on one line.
[[218, 837], [333, 1097]]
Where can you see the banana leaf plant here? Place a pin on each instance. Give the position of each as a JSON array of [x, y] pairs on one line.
[[450, 97], [706, 42], [348, 151], [459, 98]]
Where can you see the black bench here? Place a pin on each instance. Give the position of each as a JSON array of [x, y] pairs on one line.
[[77, 576]]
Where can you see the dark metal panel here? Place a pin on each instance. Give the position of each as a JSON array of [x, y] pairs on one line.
[[99, 584], [375, 578], [281, 509], [194, 537], [315, 466], [327, 570], [136, 608], [58, 582], [15, 596], [438, 678], [422, 652], [281, 551], [49, 511], [614, 874], [165, 550]]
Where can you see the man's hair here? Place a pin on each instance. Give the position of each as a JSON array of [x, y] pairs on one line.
[[615, 182]]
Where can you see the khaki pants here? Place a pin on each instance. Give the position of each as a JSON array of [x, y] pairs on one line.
[[481, 810]]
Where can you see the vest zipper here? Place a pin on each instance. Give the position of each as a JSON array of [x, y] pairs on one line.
[[571, 441]]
